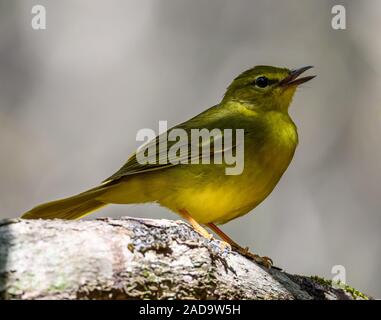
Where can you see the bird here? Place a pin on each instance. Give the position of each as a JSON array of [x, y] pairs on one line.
[[256, 102]]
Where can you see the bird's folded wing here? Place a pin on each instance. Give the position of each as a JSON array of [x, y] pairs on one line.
[[162, 159]]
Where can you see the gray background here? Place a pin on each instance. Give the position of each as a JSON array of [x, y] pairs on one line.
[[72, 98]]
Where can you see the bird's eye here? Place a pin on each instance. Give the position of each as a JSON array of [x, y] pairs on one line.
[[262, 82]]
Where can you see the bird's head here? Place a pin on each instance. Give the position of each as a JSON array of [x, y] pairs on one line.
[[266, 87]]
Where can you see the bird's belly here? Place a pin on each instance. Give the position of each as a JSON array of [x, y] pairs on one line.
[[219, 199], [214, 204]]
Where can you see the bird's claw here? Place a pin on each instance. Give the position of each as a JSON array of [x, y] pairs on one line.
[[264, 261], [224, 245]]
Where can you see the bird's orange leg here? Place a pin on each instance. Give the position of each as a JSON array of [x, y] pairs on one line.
[[265, 261], [201, 230], [184, 213], [224, 236]]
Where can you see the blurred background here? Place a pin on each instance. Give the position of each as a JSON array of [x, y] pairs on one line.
[[73, 96]]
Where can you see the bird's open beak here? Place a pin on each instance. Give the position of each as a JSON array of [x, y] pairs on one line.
[[293, 80]]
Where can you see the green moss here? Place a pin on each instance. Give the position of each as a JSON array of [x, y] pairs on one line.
[[321, 280], [352, 291], [59, 285], [355, 293], [149, 275], [146, 273]]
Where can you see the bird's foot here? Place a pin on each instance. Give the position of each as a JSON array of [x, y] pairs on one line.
[[264, 261], [224, 245]]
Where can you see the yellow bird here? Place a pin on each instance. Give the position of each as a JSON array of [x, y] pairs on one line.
[[257, 103]]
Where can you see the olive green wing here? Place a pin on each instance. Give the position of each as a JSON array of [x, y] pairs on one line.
[[161, 159]]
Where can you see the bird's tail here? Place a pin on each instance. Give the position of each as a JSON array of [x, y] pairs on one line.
[[70, 208]]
